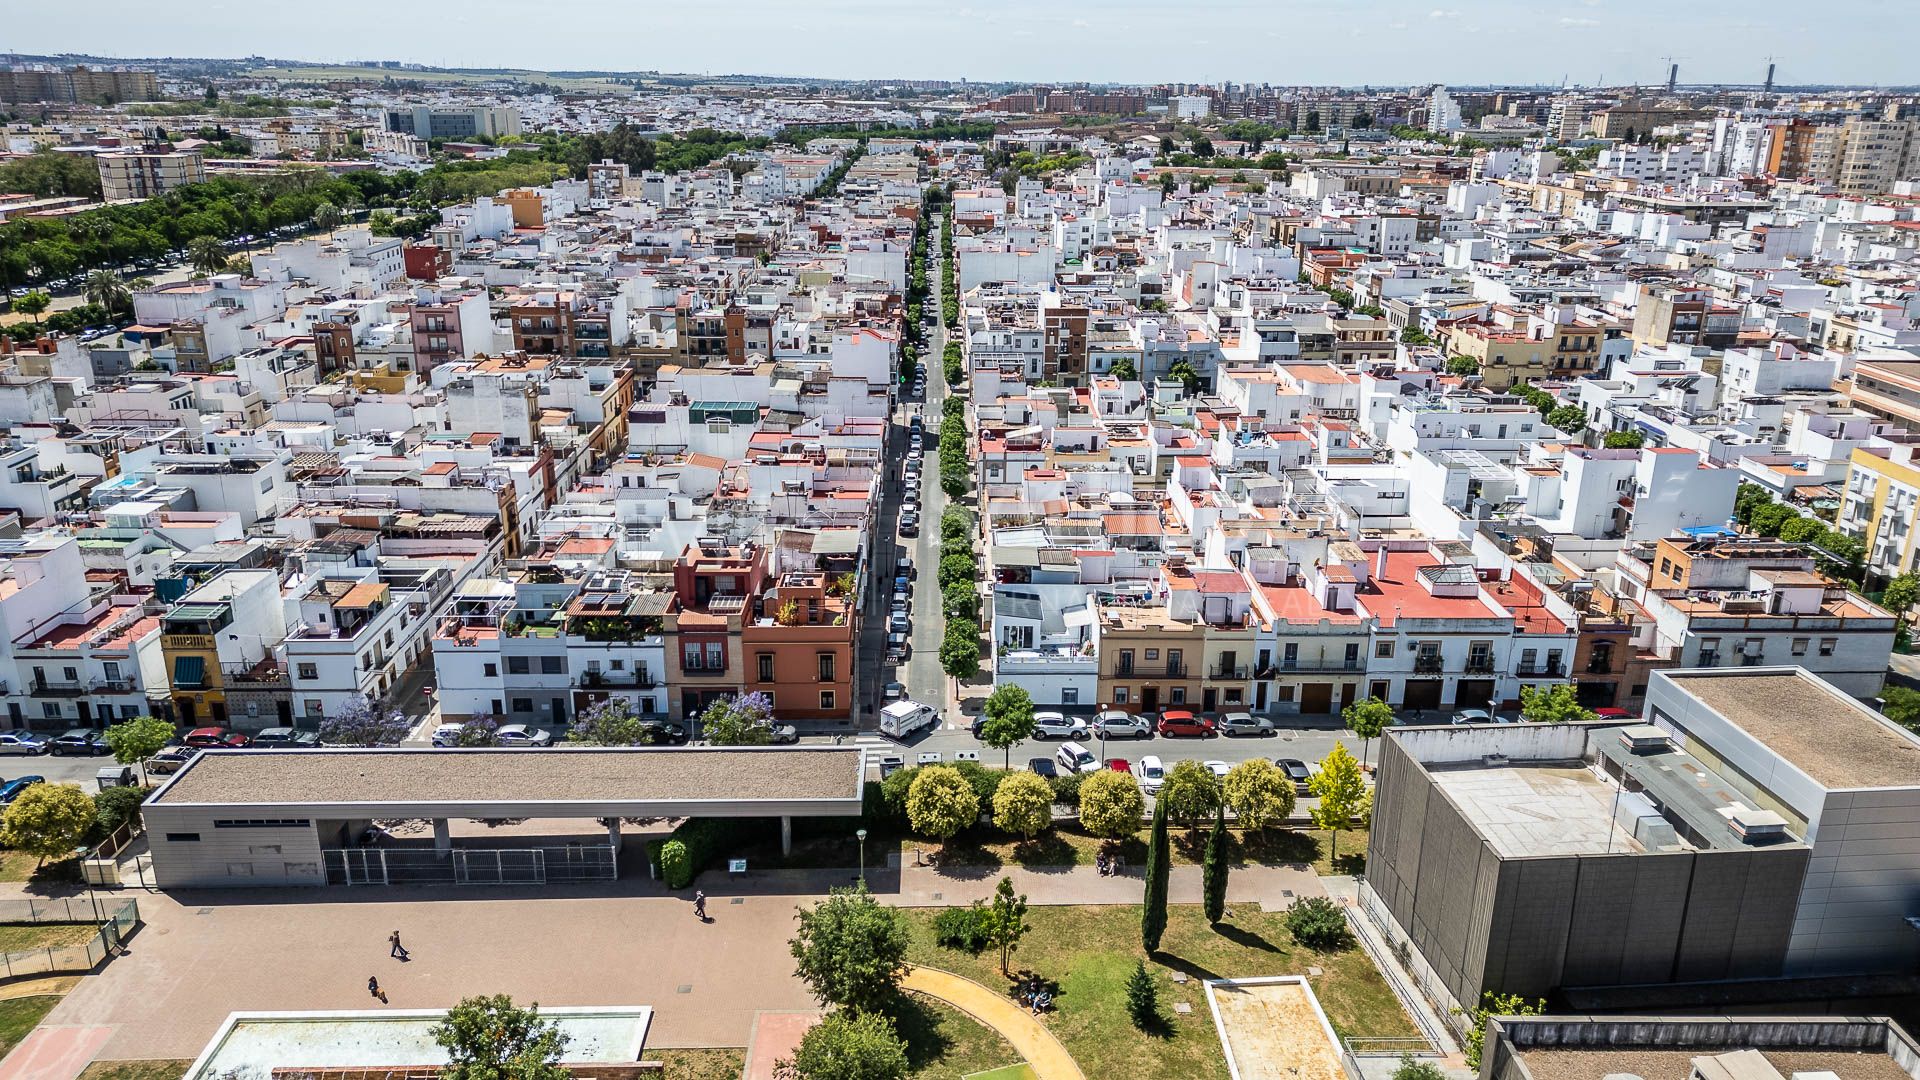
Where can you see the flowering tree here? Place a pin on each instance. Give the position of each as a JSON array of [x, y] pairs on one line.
[[361, 722], [610, 723], [477, 731], [741, 720]]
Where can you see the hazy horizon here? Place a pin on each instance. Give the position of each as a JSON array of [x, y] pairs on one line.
[[1346, 42]]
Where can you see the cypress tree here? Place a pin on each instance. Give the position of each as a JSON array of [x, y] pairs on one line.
[[1213, 870], [1153, 913]]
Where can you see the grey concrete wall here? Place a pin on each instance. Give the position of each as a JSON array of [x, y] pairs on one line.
[[1863, 881], [228, 856]]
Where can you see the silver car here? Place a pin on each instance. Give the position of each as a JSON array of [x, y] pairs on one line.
[[1118, 724], [21, 742], [522, 735], [1239, 723], [1052, 725]]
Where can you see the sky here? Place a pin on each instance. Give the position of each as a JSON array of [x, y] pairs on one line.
[[1284, 42]]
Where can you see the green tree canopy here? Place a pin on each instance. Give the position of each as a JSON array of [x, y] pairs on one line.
[[1005, 920], [850, 950], [1023, 804], [1111, 805], [960, 651], [941, 803], [610, 722], [1260, 793], [1190, 793], [1623, 440], [48, 821], [1555, 704], [1342, 790], [1009, 718], [1902, 592], [491, 1038], [1367, 718], [848, 1046], [1462, 365], [1568, 418], [134, 741]]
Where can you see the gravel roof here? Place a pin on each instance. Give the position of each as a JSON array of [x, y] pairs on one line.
[[1815, 727], [265, 777], [1678, 1064]]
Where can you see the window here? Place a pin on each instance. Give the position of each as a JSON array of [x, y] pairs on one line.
[[766, 667], [50, 708], [826, 699], [1666, 567], [1069, 695], [690, 656], [716, 658], [521, 704], [111, 670], [1799, 646], [183, 838], [309, 671], [1383, 649], [490, 671], [128, 712], [1233, 697], [519, 665], [1153, 654], [70, 674], [1178, 695], [826, 667], [1119, 695], [553, 665], [1828, 644], [315, 707]]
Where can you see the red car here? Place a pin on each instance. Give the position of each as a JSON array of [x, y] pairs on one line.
[[215, 737], [1611, 713], [1120, 764], [1182, 722]]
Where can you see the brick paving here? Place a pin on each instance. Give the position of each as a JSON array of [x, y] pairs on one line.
[[776, 1035]]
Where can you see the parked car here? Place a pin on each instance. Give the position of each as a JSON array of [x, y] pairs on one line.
[[1120, 764], [1219, 769], [1117, 724], [447, 735], [1053, 725], [1182, 722], [1612, 713], [1043, 767], [898, 648], [220, 737], [1296, 771], [903, 570], [784, 735], [80, 741], [1239, 723], [1074, 758], [909, 523], [893, 691], [664, 733], [21, 742], [1152, 774], [11, 789], [1472, 716], [170, 759], [897, 624], [284, 737], [520, 735]]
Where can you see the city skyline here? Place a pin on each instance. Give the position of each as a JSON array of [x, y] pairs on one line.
[[1406, 42]]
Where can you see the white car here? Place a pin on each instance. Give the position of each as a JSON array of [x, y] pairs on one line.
[[1074, 758], [1152, 774], [1239, 723], [1219, 769], [1116, 724], [1053, 725], [522, 736], [447, 735]]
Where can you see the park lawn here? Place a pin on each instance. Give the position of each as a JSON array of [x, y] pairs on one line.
[[19, 937], [1090, 952], [717, 1063], [171, 1069], [19, 866], [944, 1043], [18, 1016]]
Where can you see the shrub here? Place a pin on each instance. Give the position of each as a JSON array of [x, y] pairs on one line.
[[1066, 788], [1316, 922], [676, 868], [984, 781], [116, 806], [1143, 998], [960, 928]]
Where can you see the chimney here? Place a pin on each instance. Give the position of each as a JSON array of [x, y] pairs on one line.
[[1380, 562]]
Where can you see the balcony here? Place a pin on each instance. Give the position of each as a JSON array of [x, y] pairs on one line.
[[1308, 667], [642, 679], [1221, 671], [1176, 671], [1545, 671], [1479, 665], [1428, 665], [57, 687]]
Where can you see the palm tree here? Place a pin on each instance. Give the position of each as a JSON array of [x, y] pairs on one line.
[[105, 288], [326, 217], [206, 255]]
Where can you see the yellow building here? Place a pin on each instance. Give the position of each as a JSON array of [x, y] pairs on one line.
[[1148, 661], [1542, 351], [1879, 505], [528, 210]]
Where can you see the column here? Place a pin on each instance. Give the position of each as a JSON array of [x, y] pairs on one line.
[[786, 835], [442, 838]]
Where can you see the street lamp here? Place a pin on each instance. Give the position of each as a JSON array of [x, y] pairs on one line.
[[862, 835]]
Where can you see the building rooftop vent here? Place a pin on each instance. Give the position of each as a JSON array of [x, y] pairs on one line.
[[1645, 739], [1755, 826]]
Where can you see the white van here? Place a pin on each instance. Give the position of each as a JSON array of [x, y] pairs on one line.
[[900, 719], [1152, 774], [1074, 758]]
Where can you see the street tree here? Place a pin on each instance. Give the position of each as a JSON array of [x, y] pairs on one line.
[[1902, 592], [1153, 906], [1009, 720], [1023, 804], [326, 217], [32, 304], [48, 820], [1342, 791], [1260, 792], [1005, 921], [1556, 704], [361, 722], [741, 720], [206, 255], [1111, 805], [104, 287], [609, 722], [1190, 793], [134, 741], [847, 1046], [960, 651], [941, 803], [1367, 718], [850, 950], [1213, 870], [491, 1038]]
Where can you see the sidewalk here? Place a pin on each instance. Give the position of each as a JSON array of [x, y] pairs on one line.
[[1030, 1038]]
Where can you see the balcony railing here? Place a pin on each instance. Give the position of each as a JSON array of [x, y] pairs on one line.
[[1296, 667], [1544, 671], [1221, 671], [57, 687], [1428, 665], [1176, 671], [644, 680], [1479, 665]]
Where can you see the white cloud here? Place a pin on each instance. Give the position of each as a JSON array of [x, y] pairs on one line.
[[1574, 20], [1441, 13], [1082, 23]]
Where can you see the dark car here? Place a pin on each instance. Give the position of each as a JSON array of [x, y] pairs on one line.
[[1182, 722], [285, 738], [665, 733], [1043, 767], [170, 759], [79, 741], [1296, 771], [12, 789]]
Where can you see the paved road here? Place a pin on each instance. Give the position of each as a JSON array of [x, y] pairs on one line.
[[924, 680]]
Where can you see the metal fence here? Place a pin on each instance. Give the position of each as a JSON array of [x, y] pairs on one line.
[[115, 919], [471, 866]]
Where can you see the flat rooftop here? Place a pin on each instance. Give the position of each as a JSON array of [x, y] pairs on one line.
[[250, 1046], [1818, 729], [1678, 1064], [554, 777], [1536, 808]]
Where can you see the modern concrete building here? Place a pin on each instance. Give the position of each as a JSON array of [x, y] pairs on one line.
[[1760, 825], [1705, 1047], [306, 817], [147, 173], [428, 122]]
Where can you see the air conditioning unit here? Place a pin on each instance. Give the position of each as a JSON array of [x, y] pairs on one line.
[[1645, 739]]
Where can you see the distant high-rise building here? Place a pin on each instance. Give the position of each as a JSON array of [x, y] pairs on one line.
[[1443, 113], [22, 84], [143, 174], [445, 122]]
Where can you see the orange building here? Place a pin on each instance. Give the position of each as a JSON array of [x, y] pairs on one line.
[[800, 650]]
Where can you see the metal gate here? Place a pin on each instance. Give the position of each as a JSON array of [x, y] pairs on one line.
[[356, 866], [499, 866]]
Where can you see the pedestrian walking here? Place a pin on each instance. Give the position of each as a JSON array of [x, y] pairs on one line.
[[397, 950], [700, 905], [373, 987]]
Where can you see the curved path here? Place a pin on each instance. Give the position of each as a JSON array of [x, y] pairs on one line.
[[1030, 1038]]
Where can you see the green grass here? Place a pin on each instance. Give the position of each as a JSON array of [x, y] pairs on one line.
[[18, 937], [175, 1068], [21, 1015], [1067, 845], [944, 1043], [723, 1063], [1090, 951], [1022, 1071], [15, 866]]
